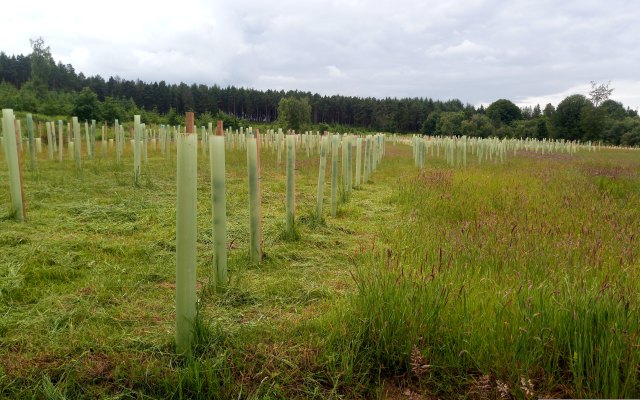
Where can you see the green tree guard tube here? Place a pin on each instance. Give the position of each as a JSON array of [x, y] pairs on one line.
[[254, 212], [77, 146], [19, 127], [13, 162], [321, 174], [137, 149], [60, 140], [88, 139], [219, 209], [349, 166], [54, 138], [119, 139], [49, 140], [344, 178], [334, 174], [291, 185], [279, 146], [367, 160], [204, 144], [32, 142], [103, 142], [145, 141], [92, 133], [374, 155], [358, 161], [186, 236]]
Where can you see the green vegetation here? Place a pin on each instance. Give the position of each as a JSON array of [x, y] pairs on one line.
[[515, 278], [294, 113]]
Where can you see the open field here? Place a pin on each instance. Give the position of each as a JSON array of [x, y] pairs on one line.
[[500, 280]]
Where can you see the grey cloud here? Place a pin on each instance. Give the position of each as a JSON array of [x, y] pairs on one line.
[[474, 50]]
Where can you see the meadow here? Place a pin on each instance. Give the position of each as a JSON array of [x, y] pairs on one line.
[[513, 279]]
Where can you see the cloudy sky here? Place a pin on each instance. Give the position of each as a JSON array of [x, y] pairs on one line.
[[478, 51]]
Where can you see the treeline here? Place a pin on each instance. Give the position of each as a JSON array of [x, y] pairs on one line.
[[36, 83], [390, 114]]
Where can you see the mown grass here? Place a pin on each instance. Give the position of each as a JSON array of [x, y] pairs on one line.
[[451, 283]]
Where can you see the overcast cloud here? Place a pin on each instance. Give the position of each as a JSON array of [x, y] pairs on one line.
[[478, 51]]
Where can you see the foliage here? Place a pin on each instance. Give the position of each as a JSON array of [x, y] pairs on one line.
[[503, 111], [614, 109], [41, 65], [323, 128], [478, 125], [294, 113], [599, 92], [450, 123], [542, 129], [86, 105], [113, 109], [228, 121], [524, 128], [631, 138], [566, 119], [430, 123], [592, 122], [549, 110]]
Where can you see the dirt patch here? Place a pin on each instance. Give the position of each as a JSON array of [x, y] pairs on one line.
[[609, 171], [98, 366], [18, 365], [171, 285], [390, 391], [554, 156], [436, 178]]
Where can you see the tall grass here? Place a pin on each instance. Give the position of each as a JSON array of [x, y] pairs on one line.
[[453, 283], [511, 277]]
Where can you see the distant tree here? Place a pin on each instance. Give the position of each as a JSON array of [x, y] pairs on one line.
[[542, 131], [536, 111], [323, 128], [525, 128], [86, 105], [27, 99], [592, 122], [430, 123], [469, 111], [204, 119], [42, 64], [56, 104], [294, 113], [505, 131], [228, 120], [152, 117], [621, 131], [613, 109], [503, 112], [599, 92], [172, 118], [566, 119], [631, 138], [526, 112], [450, 123], [8, 95], [113, 109], [549, 110], [478, 125]]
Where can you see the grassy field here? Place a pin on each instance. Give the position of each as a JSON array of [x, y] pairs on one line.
[[514, 280]]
